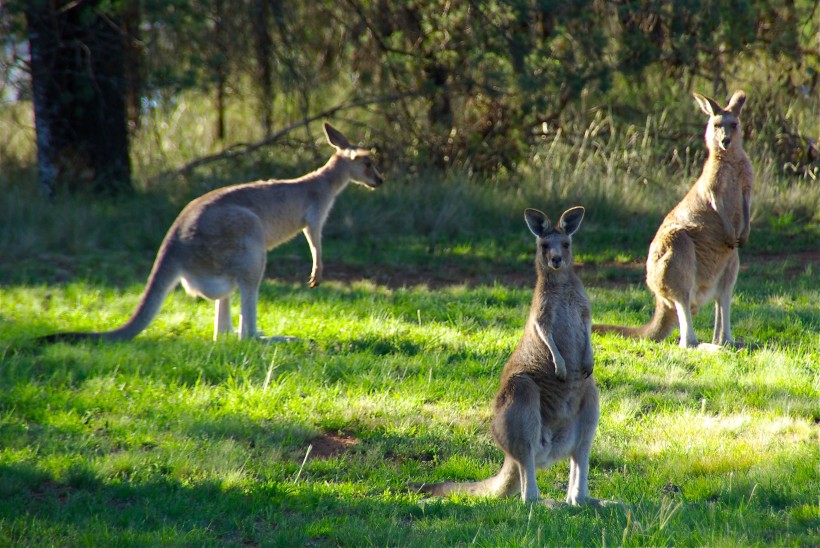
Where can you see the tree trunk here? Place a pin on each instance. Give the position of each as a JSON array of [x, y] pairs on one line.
[[133, 62], [220, 62], [78, 80], [264, 59]]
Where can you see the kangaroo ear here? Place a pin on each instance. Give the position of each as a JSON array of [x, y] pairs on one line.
[[335, 137], [571, 219], [736, 102], [707, 104], [538, 223]]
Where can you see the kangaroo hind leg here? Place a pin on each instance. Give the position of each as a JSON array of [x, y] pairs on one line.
[[586, 423], [517, 429], [722, 334], [250, 269], [249, 280], [222, 320], [677, 284]]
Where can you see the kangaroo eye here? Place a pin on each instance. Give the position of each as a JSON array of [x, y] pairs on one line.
[[733, 126], [566, 245]]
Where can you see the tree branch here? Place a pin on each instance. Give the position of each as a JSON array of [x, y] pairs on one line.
[[240, 149]]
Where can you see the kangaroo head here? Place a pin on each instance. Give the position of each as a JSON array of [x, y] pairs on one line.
[[723, 129], [554, 242], [362, 168]]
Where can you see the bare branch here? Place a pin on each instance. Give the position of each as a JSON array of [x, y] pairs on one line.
[[240, 149]]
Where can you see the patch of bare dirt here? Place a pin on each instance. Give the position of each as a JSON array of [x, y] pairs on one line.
[[331, 444], [609, 274]]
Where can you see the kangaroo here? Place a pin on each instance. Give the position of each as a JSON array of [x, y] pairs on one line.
[[546, 408], [694, 255], [220, 240]]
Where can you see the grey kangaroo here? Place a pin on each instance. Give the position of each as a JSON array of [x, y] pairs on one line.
[[694, 255], [546, 408], [219, 241]]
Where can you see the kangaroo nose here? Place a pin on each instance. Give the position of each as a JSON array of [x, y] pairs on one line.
[[725, 143], [556, 262]]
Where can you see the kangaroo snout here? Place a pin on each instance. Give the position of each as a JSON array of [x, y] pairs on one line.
[[725, 142], [378, 181], [555, 262]]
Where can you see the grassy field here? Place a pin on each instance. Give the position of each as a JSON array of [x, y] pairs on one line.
[[174, 439]]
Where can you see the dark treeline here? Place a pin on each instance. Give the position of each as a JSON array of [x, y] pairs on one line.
[[467, 83]]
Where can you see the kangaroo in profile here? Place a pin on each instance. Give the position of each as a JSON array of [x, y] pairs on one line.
[[546, 408], [694, 255], [220, 240]]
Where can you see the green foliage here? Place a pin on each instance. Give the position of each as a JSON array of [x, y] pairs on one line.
[[474, 85]]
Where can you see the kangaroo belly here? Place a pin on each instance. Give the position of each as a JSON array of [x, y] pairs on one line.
[[280, 231], [686, 260], [570, 336], [557, 444], [208, 287], [562, 433]]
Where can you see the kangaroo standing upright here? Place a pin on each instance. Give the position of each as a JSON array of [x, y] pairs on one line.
[[546, 408], [219, 241], [694, 255]]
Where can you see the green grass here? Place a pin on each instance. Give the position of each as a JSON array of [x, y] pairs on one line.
[[174, 439]]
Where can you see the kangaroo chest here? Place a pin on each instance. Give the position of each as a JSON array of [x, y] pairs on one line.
[[565, 317]]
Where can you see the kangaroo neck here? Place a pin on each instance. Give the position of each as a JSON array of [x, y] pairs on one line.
[[336, 173], [719, 164], [549, 279]]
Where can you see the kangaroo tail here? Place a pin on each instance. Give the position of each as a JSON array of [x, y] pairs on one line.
[[503, 484], [163, 278], [659, 327]]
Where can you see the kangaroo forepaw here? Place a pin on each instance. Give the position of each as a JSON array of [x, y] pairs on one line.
[[587, 367], [561, 370]]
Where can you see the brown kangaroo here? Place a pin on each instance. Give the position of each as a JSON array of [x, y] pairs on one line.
[[694, 256], [546, 408], [220, 240]]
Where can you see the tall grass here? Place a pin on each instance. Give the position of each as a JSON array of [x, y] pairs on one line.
[[619, 169]]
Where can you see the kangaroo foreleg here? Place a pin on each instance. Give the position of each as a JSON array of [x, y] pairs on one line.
[[557, 358], [313, 234], [587, 364], [743, 238]]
